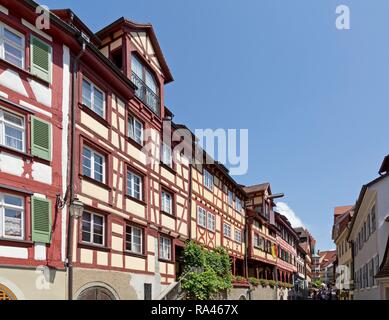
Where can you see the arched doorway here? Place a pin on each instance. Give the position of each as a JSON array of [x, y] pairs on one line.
[[6, 294], [96, 293]]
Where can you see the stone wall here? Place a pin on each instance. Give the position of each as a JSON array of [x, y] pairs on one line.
[[257, 293]]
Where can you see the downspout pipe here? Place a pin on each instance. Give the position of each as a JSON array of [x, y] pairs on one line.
[[74, 97]]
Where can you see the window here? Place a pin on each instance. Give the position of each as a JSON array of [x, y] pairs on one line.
[[165, 248], [238, 235], [134, 185], [93, 98], [135, 129], [257, 224], [12, 46], [148, 90], [368, 222], [208, 180], [93, 228], [258, 241], [167, 158], [201, 217], [227, 230], [12, 130], [376, 267], [230, 198], [134, 239], [373, 219], [211, 221], [167, 202], [93, 164], [11, 216], [238, 205], [371, 273]]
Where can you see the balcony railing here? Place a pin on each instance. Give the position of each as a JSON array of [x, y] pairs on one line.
[[146, 95]]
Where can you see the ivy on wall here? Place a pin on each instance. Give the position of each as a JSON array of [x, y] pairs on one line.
[[207, 273]]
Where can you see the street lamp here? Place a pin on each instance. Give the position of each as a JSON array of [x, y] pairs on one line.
[[76, 208]]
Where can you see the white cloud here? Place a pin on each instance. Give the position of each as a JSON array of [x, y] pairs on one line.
[[285, 210]]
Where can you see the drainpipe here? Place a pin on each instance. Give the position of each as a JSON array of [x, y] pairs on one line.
[[82, 40], [246, 238]]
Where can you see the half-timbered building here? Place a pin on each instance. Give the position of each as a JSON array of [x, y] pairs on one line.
[[262, 242], [34, 88], [217, 212], [134, 220]]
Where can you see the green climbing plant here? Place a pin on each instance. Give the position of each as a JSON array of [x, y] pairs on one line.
[[207, 272]]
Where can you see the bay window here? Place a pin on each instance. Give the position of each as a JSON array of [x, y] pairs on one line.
[[134, 239], [11, 216], [93, 164], [93, 228], [165, 248], [12, 130], [93, 98]]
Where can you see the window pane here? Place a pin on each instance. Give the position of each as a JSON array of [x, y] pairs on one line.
[[86, 94], [13, 201], [151, 83], [11, 36], [86, 162], [138, 132], [137, 67], [98, 167], [98, 106], [13, 138], [13, 222], [14, 119]]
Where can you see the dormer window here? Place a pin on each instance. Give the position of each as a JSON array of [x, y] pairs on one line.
[[147, 91]]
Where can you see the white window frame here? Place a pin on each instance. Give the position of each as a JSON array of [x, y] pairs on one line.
[[208, 180], [227, 230], [165, 244], [2, 216], [163, 204], [2, 128], [91, 232], [132, 193], [211, 221], [238, 235], [201, 217], [92, 97], [133, 135], [92, 160], [14, 45], [132, 239]]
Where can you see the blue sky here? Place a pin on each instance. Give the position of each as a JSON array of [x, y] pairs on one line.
[[315, 99]]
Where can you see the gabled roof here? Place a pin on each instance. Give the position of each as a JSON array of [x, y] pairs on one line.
[[341, 210], [257, 188], [147, 27], [361, 197]]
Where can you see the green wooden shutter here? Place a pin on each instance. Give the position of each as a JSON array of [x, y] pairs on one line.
[[41, 220], [41, 55], [40, 138]]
